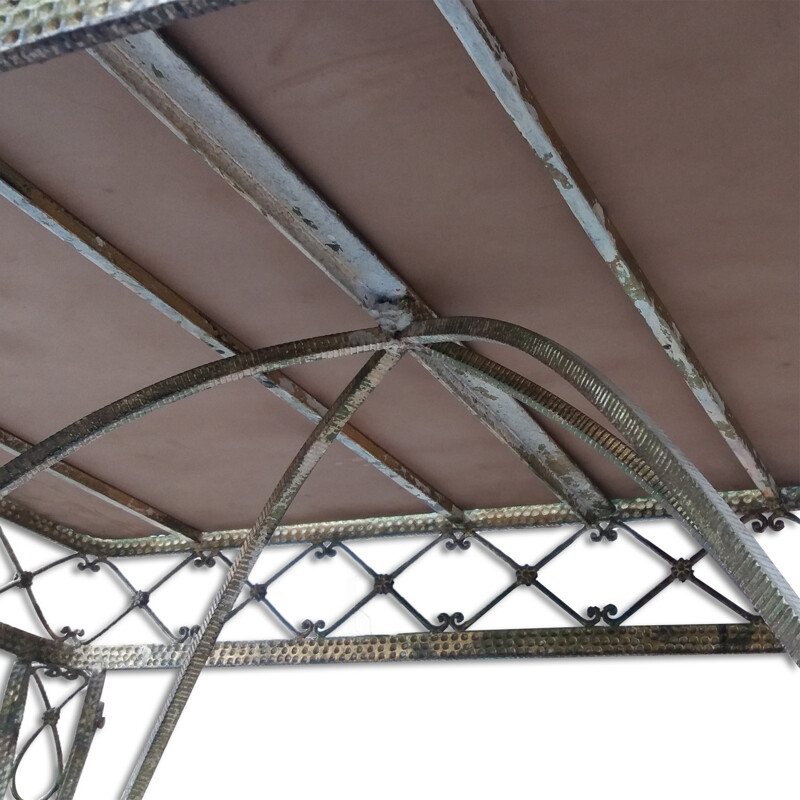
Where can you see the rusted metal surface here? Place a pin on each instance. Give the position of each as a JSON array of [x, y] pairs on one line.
[[540, 643], [35, 30], [44, 210], [201, 645], [498, 70], [176, 92], [11, 713], [110, 494], [91, 719]]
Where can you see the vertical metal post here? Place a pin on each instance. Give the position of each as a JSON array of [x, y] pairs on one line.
[[11, 718], [90, 720]]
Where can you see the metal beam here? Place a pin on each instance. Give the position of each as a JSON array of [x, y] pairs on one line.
[[104, 491], [672, 478], [747, 502], [29, 647], [35, 30], [11, 713], [177, 93], [650, 458], [534, 643], [90, 720], [505, 81], [201, 645], [61, 444], [43, 209]]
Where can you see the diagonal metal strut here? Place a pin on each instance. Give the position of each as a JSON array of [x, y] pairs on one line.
[[177, 93], [201, 645], [505, 81], [19, 191], [105, 491]]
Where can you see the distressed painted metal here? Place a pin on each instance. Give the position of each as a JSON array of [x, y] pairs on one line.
[[176, 92], [43, 209], [35, 30], [651, 459], [201, 645], [110, 494], [91, 719], [11, 713], [511, 90], [513, 426]]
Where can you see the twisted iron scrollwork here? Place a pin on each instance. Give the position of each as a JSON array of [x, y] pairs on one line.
[[325, 550], [595, 614], [309, 628], [453, 621], [526, 577], [89, 563], [206, 559], [455, 540], [775, 521], [185, 632], [604, 530]]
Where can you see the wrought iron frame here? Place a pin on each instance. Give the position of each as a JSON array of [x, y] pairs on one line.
[[187, 103]]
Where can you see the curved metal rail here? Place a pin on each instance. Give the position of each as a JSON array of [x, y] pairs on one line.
[[650, 458]]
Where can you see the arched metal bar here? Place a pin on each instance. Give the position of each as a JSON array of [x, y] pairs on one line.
[[689, 495], [185, 384], [200, 647], [11, 714], [144, 401]]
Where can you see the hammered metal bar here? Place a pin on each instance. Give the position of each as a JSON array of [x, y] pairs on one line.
[[534, 643], [666, 472], [109, 494], [742, 502], [674, 480], [90, 720], [176, 92], [498, 70], [44, 210], [29, 647], [201, 645], [11, 714], [35, 30], [58, 446]]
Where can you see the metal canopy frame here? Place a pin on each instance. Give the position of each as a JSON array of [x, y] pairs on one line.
[[506, 402]]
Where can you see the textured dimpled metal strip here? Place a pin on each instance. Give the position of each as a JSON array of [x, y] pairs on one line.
[[538, 643], [482, 519], [35, 30]]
